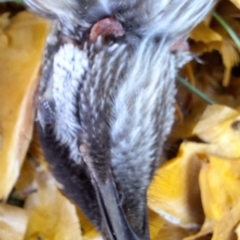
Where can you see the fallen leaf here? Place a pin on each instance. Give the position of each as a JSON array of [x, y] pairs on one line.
[[204, 234], [228, 226], [236, 3], [51, 215], [219, 183], [174, 192], [202, 32], [89, 232], [219, 127], [21, 47], [13, 222]]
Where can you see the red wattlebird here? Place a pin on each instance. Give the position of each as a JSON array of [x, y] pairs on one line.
[[106, 99]]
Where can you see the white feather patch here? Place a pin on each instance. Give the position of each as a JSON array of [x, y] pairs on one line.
[[69, 66]]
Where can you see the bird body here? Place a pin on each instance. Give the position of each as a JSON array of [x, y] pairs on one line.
[[105, 103]]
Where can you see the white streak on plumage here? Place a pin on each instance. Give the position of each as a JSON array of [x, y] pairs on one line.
[[69, 66]]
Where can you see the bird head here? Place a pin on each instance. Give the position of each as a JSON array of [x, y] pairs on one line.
[[167, 17]]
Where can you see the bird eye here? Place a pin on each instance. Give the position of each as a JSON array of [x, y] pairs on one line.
[[157, 39], [110, 38]]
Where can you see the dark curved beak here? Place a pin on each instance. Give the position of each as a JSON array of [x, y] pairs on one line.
[[115, 224]]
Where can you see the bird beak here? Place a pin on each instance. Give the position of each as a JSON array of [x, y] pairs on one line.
[[115, 224]]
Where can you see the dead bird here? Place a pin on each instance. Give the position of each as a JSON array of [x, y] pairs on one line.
[[105, 100]]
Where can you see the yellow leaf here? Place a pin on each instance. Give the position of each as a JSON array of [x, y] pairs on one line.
[[51, 215], [219, 126], [13, 222], [21, 46], [204, 234], [237, 231], [228, 50], [174, 192], [200, 47], [88, 230], [205, 34], [219, 183], [236, 3], [156, 223], [162, 229], [26, 183], [230, 57], [225, 228]]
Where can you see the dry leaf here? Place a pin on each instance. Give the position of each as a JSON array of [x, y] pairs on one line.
[[230, 57], [229, 50], [89, 232], [21, 46], [229, 224], [236, 3], [205, 34], [219, 183], [174, 192], [51, 215], [219, 126], [204, 234], [13, 222], [237, 231], [162, 229], [26, 183], [220, 176]]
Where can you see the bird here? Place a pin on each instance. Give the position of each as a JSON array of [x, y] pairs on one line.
[[106, 100]]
